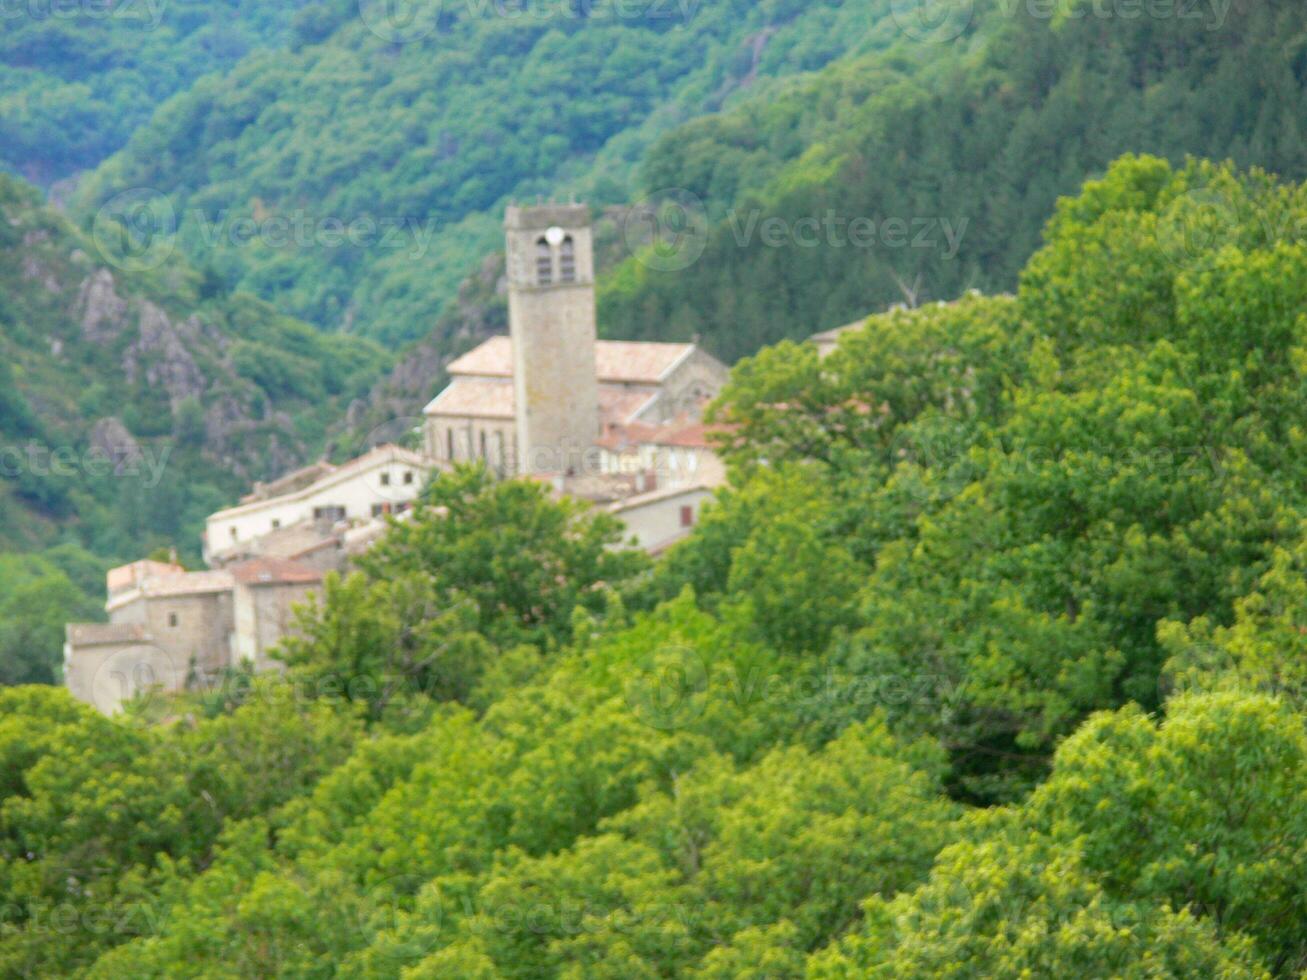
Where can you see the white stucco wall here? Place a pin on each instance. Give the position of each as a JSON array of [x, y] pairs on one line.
[[656, 522], [357, 492]]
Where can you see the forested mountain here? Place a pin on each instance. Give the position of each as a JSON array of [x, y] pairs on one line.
[[77, 79], [133, 402], [423, 119], [987, 662], [950, 152]]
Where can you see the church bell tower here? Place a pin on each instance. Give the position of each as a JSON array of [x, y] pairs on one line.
[[551, 316]]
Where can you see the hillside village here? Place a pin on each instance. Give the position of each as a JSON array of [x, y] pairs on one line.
[[616, 423]]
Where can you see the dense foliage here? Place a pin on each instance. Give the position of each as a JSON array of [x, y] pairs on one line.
[[77, 79], [922, 171], [984, 664]]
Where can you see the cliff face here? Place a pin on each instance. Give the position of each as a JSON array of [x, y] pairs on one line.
[[105, 361]]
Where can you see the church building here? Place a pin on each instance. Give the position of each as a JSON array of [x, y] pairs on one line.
[[550, 398]]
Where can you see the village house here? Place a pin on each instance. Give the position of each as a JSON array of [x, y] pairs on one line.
[[170, 628], [308, 515]]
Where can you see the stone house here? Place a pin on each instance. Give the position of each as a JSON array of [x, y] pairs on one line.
[[170, 628]]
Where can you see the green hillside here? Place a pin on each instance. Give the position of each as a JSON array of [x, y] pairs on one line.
[[949, 154], [416, 123], [77, 79], [988, 662], [133, 402]]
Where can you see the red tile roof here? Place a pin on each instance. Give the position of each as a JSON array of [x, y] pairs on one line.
[[274, 571]]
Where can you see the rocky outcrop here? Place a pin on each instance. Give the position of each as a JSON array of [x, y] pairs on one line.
[[111, 438], [99, 309], [161, 358], [33, 268]]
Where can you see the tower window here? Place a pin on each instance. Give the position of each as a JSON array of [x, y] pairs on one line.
[[385, 479], [172, 619], [567, 261], [544, 263], [449, 444], [483, 445]]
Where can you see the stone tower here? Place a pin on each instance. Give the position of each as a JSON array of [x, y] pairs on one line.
[[551, 317]]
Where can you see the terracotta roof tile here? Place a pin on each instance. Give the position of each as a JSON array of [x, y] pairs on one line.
[[269, 571], [483, 398], [189, 583], [619, 361], [91, 634], [476, 397]]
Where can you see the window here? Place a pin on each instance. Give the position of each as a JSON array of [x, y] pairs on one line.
[[233, 534], [499, 452], [331, 512], [567, 261], [687, 515], [544, 263], [483, 445], [385, 479], [172, 619], [275, 523], [449, 444], [408, 477], [379, 509]]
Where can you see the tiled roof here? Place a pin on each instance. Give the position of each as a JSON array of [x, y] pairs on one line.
[[289, 482], [617, 361], [637, 500], [374, 457], [619, 406], [92, 634], [126, 576], [636, 360], [476, 397], [274, 571], [494, 357], [189, 583], [481, 398], [682, 433]]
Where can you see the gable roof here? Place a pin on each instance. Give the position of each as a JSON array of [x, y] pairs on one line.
[[274, 571], [379, 456], [488, 398], [616, 361], [480, 397], [95, 634]]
